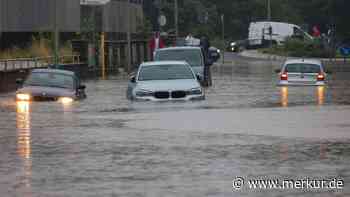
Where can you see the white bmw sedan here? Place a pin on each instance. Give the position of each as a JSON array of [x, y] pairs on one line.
[[165, 81]]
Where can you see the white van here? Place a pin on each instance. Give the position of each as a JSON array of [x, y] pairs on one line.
[[259, 33]]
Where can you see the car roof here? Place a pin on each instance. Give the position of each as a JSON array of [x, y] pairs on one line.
[[57, 71], [303, 61], [180, 48], [160, 63]]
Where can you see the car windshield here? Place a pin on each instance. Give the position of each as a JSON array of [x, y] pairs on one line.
[[302, 68], [165, 72], [193, 57], [50, 80]]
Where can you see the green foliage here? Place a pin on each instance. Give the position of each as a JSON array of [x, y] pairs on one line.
[[300, 48], [41, 46], [239, 13]]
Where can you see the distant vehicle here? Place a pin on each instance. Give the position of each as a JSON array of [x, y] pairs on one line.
[[302, 72], [194, 56], [165, 81], [237, 46], [50, 85], [214, 53], [263, 33]]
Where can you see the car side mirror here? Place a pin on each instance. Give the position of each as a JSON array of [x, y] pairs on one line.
[[277, 70], [19, 81], [82, 87], [328, 71], [133, 79], [199, 78]]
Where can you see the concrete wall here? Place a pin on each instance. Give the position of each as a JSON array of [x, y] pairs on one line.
[[39, 15]]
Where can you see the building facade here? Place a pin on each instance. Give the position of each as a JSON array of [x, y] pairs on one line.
[[70, 15]]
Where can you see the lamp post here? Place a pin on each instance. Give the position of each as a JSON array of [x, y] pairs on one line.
[[56, 35], [176, 12], [223, 37], [269, 10], [129, 37]]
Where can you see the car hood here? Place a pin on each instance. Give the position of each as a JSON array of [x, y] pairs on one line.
[[46, 91], [168, 85]]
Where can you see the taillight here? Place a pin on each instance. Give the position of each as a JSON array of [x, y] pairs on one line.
[[320, 77], [284, 76]]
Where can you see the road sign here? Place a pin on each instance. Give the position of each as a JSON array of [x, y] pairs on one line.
[[345, 51], [162, 20]]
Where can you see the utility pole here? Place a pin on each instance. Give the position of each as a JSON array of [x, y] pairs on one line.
[[269, 20], [129, 37], [56, 35], [269, 10], [176, 11], [223, 37], [102, 55]]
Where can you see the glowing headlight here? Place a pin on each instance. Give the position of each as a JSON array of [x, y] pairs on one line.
[[218, 51], [195, 91], [66, 100], [233, 44], [23, 97]]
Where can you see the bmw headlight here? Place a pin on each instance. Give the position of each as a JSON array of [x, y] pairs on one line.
[[143, 93], [66, 100], [195, 91], [22, 97]]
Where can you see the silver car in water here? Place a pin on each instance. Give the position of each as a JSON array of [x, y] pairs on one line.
[[302, 72], [165, 81]]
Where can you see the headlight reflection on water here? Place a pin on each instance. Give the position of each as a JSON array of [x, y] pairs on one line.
[[24, 148]]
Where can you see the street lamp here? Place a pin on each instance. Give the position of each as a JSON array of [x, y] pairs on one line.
[[176, 12], [56, 35], [269, 10]]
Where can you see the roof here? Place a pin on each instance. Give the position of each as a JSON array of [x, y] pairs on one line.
[[94, 2], [159, 63], [65, 72], [179, 48], [303, 61]]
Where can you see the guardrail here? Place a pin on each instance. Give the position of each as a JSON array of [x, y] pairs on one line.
[[38, 62]]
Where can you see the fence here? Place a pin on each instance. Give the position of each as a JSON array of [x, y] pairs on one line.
[[7, 65]]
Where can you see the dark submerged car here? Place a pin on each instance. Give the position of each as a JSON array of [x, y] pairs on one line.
[[50, 85]]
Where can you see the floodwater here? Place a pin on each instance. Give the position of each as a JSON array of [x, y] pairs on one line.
[[247, 127]]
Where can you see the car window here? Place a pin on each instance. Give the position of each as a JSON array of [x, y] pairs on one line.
[[165, 72], [302, 68], [192, 57], [50, 80]]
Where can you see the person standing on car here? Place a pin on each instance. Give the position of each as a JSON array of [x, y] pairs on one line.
[[155, 43], [205, 44]]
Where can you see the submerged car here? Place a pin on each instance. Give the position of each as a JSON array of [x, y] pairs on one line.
[[50, 85], [194, 56], [165, 81], [302, 72]]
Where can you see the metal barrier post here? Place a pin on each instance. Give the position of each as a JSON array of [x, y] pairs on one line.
[[5, 69]]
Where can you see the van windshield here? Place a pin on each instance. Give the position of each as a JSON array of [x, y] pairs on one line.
[[192, 57]]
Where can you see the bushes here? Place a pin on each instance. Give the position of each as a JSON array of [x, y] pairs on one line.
[[301, 48], [309, 48], [39, 47]]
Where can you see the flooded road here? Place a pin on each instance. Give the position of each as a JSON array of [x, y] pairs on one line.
[[247, 127]]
